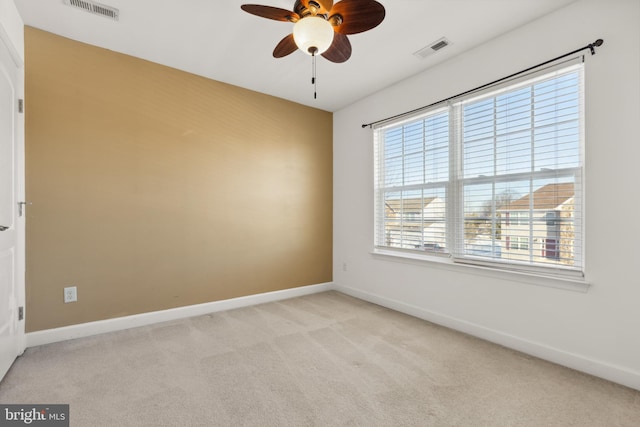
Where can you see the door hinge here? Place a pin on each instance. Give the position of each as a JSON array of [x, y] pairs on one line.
[[21, 206], [20, 313], [20, 105]]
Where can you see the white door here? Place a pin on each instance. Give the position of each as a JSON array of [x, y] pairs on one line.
[[11, 223]]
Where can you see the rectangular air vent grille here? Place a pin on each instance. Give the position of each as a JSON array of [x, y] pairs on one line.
[[95, 8], [433, 47], [439, 45]]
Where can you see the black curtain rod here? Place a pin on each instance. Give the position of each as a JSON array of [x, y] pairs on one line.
[[590, 46]]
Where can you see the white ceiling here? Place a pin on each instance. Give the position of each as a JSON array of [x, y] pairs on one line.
[[216, 39]]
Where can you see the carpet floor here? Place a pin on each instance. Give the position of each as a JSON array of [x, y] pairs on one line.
[[320, 360]]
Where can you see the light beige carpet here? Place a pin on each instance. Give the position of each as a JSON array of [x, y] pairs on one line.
[[319, 360]]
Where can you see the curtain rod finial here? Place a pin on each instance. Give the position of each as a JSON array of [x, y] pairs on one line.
[[595, 44]]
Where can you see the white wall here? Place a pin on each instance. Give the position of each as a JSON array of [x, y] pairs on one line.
[[597, 331], [11, 28]]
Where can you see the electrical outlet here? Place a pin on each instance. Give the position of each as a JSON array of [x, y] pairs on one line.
[[70, 294], [344, 266]]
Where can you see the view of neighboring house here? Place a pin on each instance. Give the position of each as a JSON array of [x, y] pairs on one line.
[[417, 223], [550, 237]]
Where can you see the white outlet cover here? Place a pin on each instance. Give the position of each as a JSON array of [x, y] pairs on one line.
[[70, 294]]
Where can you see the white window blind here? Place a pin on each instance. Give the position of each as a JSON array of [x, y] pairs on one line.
[[413, 179], [492, 178]]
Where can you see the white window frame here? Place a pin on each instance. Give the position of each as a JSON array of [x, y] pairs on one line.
[[557, 276]]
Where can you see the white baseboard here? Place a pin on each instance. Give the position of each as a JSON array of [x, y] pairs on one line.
[[578, 362], [49, 336]]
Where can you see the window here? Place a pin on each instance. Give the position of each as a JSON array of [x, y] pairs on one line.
[[492, 178], [520, 243]]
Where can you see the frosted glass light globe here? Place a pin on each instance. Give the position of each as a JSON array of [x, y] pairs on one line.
[[313, 33]]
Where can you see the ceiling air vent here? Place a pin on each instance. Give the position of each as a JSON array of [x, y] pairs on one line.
[[433, 47], [95, 8]]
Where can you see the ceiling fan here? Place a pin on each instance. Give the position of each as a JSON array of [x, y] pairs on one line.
[[321, 27]]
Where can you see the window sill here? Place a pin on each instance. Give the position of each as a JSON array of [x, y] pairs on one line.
[[445, 262]]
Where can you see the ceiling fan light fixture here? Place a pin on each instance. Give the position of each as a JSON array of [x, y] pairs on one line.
[[313, 35]]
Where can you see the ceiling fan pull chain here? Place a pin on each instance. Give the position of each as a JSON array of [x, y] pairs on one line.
[[313, 76]]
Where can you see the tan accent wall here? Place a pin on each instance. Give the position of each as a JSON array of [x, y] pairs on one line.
[[153, 188]]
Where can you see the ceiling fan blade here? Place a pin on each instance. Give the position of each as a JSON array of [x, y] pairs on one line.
[[356, 16], [340, 49], [270, 12], [286, 47], [324, 5]]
